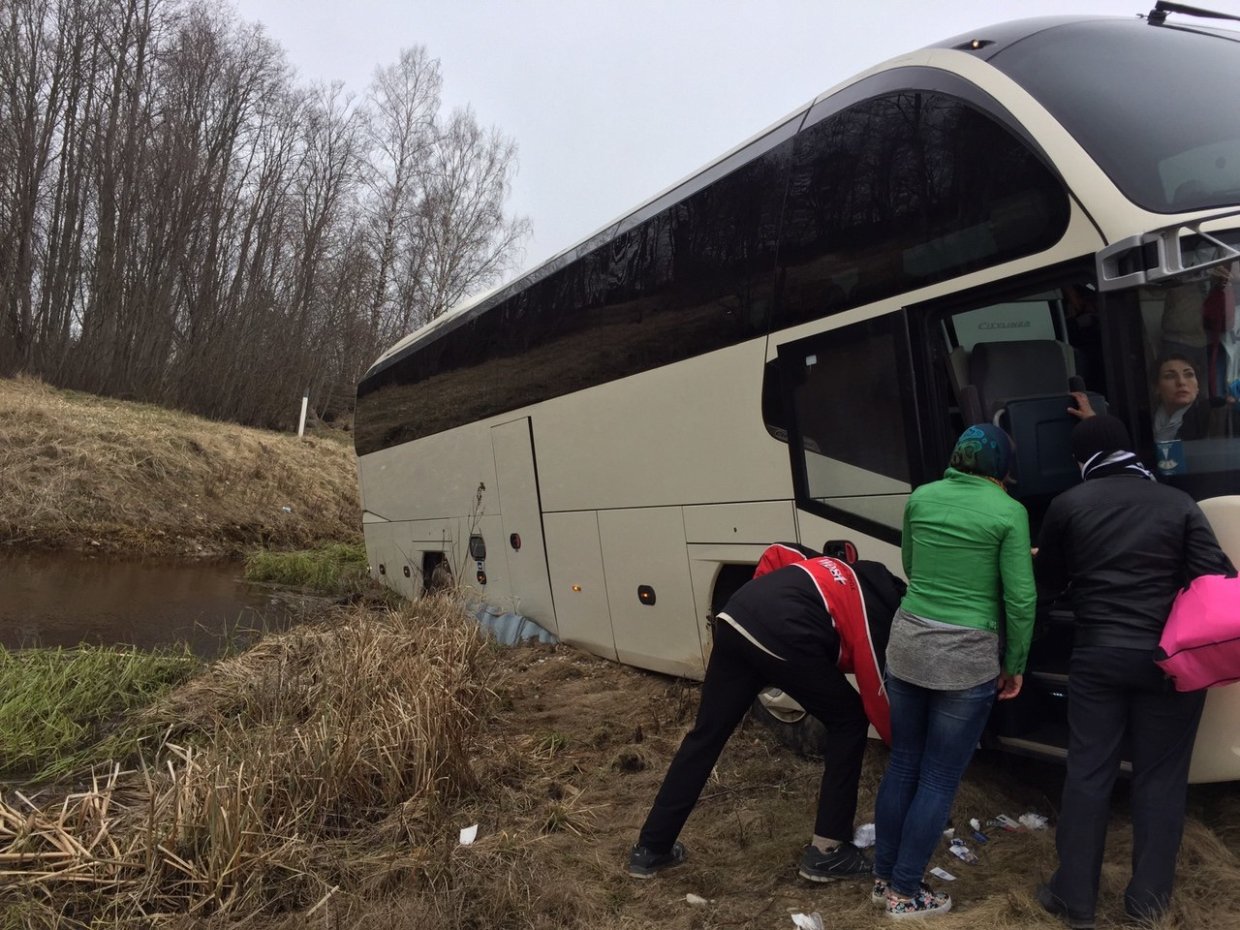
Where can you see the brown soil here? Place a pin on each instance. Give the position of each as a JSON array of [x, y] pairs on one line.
[[92, 474], [580, 749]]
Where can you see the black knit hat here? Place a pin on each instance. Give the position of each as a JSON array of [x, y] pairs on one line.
[[1103, 433]]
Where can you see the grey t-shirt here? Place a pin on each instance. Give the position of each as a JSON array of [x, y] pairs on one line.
[[941, 656]]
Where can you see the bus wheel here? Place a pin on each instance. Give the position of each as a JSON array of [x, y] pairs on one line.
[[789, 723]]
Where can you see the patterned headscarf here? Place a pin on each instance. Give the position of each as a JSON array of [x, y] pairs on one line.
[[982, 450]]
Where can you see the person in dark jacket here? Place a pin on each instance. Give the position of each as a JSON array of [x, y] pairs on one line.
[[1122, 545], [798, 628]]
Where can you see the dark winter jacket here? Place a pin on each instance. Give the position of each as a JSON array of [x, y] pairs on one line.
[[1123, 546], [823, 606]]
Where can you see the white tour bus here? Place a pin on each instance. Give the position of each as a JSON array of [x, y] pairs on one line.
[[780, 347]]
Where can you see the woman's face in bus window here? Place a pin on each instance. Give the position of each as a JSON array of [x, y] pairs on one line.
[[1177, 383]]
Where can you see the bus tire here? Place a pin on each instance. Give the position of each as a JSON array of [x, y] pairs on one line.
[[801, 733]]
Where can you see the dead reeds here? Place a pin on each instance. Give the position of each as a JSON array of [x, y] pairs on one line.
[[270, 768]]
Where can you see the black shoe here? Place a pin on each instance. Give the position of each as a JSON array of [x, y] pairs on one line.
[[1052, 905], [644, 863], [845, 861]]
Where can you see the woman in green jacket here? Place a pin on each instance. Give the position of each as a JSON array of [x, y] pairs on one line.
[[966, 555]]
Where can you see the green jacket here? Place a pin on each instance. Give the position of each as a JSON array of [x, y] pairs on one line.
[[966, 555]]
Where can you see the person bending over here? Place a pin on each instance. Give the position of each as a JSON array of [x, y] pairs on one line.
[[798, 628]]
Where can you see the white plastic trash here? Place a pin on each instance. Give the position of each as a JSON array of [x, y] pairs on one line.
[[864, 837], [1033, 821], [808, 921], [468, 835]]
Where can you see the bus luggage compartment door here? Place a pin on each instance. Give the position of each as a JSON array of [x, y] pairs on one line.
[[653, 615], [522, 544]]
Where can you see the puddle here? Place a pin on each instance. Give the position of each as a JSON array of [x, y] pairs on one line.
[[55, 599]]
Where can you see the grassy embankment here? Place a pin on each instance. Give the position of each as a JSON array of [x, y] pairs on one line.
[[92, 474]]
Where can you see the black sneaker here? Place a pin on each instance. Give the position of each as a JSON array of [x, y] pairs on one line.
[[645, 863], [845, 861], [1053, 905]]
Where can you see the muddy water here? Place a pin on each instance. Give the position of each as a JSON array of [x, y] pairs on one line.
[[62, 600]]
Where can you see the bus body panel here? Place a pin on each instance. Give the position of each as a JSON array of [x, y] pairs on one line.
[[578, 582], [644, 550], [1217, 749], [440, 477], [696, 425], [520, 540], [758, 523]]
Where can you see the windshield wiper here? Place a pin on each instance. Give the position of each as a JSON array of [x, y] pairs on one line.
[[1158, 15]]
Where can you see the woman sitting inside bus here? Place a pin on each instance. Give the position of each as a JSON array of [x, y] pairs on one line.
[[1179, 411]]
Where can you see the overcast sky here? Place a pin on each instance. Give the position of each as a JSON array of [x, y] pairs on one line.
[[611, 101]]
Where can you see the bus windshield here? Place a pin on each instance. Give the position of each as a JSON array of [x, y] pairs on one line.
[[1191, 347], [1166, 134]]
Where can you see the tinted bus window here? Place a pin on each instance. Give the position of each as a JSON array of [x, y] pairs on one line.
[[904, 190], [696, 277]]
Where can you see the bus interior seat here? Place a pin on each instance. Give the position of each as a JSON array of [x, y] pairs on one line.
[[1003, 371], [1041, 431], [1022, 386]]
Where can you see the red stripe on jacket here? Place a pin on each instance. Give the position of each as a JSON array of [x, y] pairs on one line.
[[844, 600]]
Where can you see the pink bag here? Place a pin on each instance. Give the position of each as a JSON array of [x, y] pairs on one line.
[[1200, 645]]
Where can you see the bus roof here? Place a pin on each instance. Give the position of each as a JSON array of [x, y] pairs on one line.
[[985, 44]]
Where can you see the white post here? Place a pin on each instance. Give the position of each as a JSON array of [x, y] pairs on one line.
[[305, 401]]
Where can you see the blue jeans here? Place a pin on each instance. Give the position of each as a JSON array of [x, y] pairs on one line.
[[933, 735]]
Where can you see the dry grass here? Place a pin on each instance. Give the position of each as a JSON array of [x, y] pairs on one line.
[[85, 472], [322, 778], [303, 764]]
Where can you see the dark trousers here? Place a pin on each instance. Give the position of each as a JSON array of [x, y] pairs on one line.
[[1112, 692], [736, 672]]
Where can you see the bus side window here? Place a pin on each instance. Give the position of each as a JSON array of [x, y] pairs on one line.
[[847, 389]]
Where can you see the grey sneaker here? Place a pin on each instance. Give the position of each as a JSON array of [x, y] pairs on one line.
[[845, 861], [645, 863]]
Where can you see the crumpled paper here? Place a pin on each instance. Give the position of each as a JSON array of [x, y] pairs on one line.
[[864, 837]]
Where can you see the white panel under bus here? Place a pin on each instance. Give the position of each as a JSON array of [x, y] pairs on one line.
[[645, 548]]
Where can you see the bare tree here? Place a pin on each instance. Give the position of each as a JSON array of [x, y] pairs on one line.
[[181, 223], [468, 242]]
